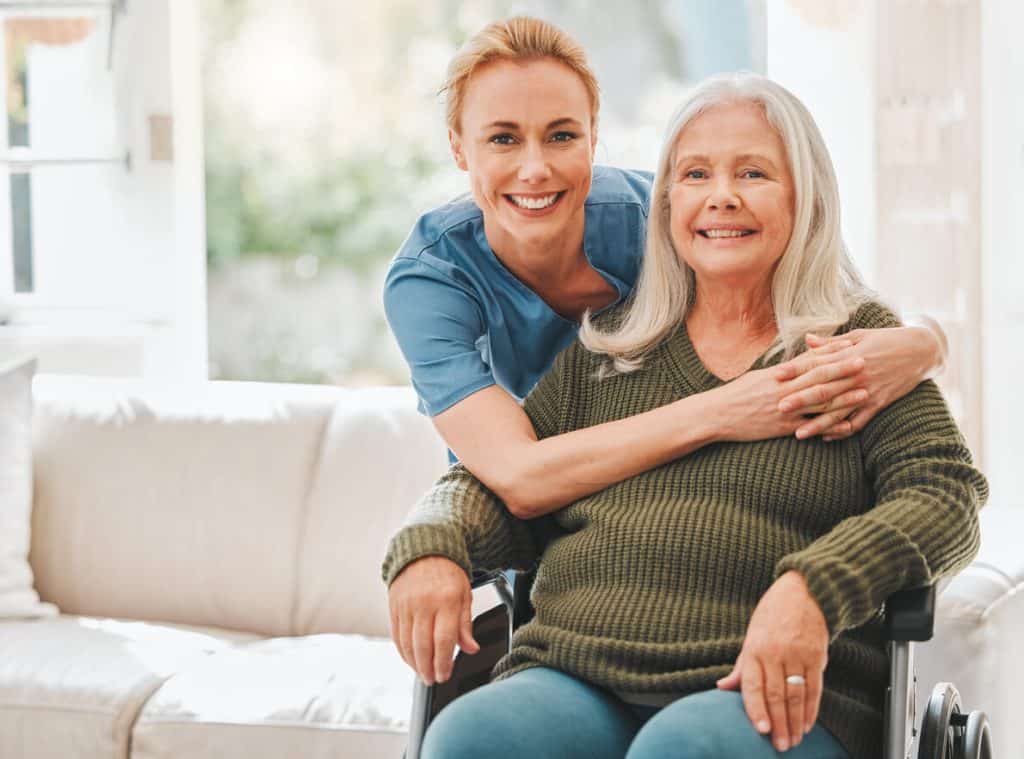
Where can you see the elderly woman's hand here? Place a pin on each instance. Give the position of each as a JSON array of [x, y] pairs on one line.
[[431, 611], [895, 362], [787, 635]]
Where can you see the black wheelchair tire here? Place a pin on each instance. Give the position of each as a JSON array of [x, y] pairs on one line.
[[942, 727], [977, 737]]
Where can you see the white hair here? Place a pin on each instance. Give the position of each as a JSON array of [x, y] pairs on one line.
[[815, 287]]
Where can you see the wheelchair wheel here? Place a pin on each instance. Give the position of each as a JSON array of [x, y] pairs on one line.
[[977, 738], [943, 726]]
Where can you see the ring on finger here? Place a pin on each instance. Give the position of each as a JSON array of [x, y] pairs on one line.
[[796, 680]]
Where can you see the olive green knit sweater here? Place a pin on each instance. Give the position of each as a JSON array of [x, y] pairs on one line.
[[645, 588]]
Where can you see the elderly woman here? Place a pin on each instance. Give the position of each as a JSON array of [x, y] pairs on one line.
[[757, 567]]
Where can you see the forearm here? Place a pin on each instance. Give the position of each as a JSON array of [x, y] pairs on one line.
[[542, 476], [934, 338], [460, 519], [541, 456], [906, 542], [923, 525]]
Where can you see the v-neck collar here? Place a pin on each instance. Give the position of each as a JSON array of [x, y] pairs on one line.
[[688, 369], [621, 290]]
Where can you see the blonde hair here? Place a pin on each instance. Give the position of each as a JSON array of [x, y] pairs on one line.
[[815, 287], [521, 38]]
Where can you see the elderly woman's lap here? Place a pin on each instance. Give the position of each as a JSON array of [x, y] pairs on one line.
[[538, 713], [542, 713], [712, 725]]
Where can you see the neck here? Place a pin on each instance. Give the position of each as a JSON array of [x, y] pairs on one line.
[[737, 313], [541, 262]]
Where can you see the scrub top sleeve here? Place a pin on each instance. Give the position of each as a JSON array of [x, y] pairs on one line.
[[437, 324]]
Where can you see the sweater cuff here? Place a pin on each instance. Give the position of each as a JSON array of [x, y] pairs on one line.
[[851, 570], [416, 541]]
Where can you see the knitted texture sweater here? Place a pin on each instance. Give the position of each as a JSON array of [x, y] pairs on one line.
[[647, 587]]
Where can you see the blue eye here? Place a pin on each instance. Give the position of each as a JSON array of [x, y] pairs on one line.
[[696, 174], [502, 139], [753, 174], [564, 136]]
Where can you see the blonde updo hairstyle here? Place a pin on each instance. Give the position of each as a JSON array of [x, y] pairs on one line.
[[521, 38]]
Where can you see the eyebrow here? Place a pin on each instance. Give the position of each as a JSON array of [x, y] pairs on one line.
[[513, 125], [701, 158]]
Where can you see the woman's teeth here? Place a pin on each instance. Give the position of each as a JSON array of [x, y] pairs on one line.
[[535, 203], [715, 233]]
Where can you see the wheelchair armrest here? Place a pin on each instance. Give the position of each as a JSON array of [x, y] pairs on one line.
[[910, 614], [498, 579]]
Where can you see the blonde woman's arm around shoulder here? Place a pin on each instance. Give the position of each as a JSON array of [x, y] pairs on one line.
[[536, 466], [532, 464]]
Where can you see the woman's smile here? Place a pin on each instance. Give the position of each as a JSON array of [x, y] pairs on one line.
[[534, 204], [729, 236]]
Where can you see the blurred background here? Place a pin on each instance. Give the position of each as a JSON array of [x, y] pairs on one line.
[[214, 188]]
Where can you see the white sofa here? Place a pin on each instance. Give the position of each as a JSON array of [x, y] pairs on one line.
[[215, 555]]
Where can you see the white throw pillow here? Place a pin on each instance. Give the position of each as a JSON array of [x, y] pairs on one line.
[[18, 597]]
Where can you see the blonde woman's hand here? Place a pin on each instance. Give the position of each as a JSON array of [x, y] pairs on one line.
[[896, 360], [431, 610], [748, 407], [787, 635]]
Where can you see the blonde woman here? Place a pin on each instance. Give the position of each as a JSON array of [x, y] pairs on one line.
[[725, 603]]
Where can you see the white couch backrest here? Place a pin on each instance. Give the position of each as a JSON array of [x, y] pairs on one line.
[[379, 456], [253, 506]]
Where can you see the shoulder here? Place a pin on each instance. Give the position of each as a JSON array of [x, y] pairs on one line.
[[434, 256], [871, 314], [441, 236], [611, 186], [611, 319], [428, 274], [607, 322]]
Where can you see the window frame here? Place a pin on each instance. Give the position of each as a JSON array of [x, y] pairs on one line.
[[42, 308]]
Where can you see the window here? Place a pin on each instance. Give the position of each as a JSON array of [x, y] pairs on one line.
[[60, 150]]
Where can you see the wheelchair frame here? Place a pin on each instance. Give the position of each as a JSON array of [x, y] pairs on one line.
[[946, 733]]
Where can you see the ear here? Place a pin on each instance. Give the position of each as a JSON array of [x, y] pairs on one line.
[[455, 142]]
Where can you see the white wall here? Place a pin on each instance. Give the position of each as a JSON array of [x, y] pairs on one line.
[[1003, 246], [827, 59], [826, 53]]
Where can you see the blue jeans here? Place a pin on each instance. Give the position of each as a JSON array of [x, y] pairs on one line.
[[541, 712]]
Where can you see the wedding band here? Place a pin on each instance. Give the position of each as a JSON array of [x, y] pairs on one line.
[[796, 680]]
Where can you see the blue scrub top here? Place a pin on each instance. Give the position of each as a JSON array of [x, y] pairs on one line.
[[464, 322]]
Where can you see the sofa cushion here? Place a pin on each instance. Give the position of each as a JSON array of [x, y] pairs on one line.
[[18, 597], [174, 503], [318, 697], [71, 687], [378, 457]]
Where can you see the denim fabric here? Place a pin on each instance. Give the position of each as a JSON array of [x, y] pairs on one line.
[[542, 713]]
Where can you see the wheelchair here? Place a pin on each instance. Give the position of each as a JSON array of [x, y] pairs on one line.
[[946, 731]]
